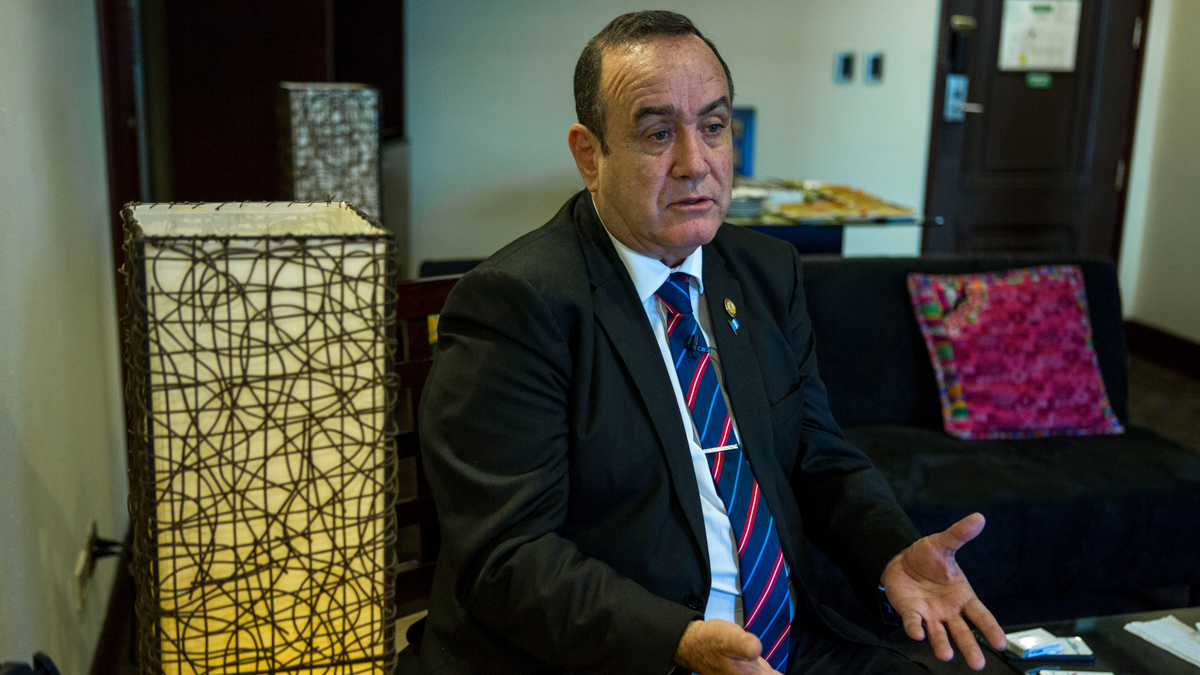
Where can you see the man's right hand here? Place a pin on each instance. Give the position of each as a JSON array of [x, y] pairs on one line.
[[717, 647]]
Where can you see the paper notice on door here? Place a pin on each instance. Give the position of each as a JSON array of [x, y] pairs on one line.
[[1039, 35]]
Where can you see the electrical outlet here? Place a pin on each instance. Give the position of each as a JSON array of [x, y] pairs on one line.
[[85, 567], [843, 67], [873, 68]]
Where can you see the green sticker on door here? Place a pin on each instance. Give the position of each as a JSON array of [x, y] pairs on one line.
[[1038, 80]]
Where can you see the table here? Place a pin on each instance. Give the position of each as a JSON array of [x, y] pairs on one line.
[[1117, 650], [810, 215], [820, 235]]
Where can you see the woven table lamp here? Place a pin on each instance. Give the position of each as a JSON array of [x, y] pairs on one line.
[[330, 142], [261, 455]]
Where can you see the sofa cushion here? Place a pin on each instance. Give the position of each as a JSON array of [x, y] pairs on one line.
[[1012, 352], [870, 351], [1064, 513]]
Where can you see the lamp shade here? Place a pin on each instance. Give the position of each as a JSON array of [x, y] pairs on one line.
[[261, 454], [330, 142]]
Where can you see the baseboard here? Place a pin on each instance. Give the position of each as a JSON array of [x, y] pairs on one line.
[[113, 654], [1163, 348]]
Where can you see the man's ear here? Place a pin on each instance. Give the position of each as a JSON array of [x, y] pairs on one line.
[[585, 147]]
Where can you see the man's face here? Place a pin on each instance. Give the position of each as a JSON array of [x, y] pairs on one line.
[[663, 189]]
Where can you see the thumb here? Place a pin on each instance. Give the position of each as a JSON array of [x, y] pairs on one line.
[[961, 532], [727, 639], [741, 644]]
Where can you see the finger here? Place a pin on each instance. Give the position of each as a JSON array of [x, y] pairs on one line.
[[735, 667], [939, 641], [912, 625], [718, 646], [973, 655], [965, 639], [753, 667], [740, 667], [979, 615], [735, 642], [961, 532], [765, 668]]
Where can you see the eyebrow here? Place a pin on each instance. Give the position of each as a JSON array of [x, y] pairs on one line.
[[672, 111]]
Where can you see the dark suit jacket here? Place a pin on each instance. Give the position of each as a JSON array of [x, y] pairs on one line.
[[572, 535]]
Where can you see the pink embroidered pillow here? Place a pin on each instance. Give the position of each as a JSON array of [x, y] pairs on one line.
[[1013, 353]]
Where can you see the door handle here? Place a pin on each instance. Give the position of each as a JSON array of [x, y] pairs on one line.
[[956, 99]]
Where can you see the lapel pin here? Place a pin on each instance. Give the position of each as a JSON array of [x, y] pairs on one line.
[[730, 308], [733, 323]]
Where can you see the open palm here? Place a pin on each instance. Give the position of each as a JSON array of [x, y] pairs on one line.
[[931, 594]]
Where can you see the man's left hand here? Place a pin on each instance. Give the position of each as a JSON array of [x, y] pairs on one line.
[[931, 594]]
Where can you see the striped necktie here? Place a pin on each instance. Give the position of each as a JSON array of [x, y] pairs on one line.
[[765, 596]]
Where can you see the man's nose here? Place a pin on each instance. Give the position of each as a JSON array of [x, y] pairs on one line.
[[691, 156]]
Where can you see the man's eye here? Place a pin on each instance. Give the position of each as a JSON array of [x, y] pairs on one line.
[[715, 128], [658, 136]]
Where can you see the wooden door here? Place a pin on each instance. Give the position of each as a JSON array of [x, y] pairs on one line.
[[1039, 160]]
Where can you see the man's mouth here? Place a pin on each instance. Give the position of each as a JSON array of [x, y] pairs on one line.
[[692, 201]]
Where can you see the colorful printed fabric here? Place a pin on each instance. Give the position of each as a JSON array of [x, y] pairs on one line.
[[1013, 353]]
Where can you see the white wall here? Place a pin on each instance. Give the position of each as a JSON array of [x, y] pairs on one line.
[[394, 186], [1167, 290], [1155, 43], [489, 102], [61, 434]]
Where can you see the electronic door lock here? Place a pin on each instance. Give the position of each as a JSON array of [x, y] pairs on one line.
[[956, 99]]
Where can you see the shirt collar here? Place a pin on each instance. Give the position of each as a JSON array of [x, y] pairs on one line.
[[649, 274]]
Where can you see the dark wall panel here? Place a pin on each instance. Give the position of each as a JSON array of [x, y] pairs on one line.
[[368, 46], [226, 59]]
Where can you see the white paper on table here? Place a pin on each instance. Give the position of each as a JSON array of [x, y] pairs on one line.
[[1170, 634]]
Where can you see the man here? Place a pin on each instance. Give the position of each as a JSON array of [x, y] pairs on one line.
[[625, 431]]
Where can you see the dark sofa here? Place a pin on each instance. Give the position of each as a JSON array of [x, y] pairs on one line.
[[1067, 516]]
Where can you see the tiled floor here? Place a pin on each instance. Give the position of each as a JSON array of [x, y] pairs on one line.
[[1165, 401]]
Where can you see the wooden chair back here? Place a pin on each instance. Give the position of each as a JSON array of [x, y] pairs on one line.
[[419, 537]]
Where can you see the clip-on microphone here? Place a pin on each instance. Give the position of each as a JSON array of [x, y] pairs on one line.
[[693, 346]]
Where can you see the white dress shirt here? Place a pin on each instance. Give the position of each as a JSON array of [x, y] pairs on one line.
[[648, 274]]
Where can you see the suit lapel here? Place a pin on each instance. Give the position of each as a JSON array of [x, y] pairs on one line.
[[740, 372], [619, 312]]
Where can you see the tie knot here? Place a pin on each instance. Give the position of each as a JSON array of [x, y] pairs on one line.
[[675, 293]]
